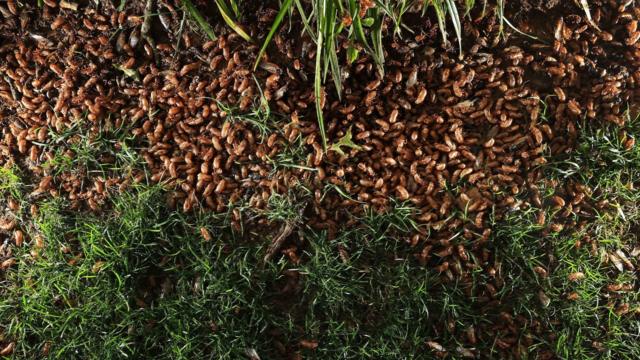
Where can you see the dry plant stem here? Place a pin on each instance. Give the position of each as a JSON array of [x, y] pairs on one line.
[[276, 244], [146, 27]]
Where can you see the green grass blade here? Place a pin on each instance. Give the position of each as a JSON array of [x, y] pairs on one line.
[[352, 55], [440, 15], [503, 20], [226, 15], [195, 14], [455, 18], [357, 25], [325, 27], [330, 55], [274, 27], [335, 70], [376, 34], [519, 31], [358, 31], [305, 21], [234, 7], [468, 4], [500, 11], [318, 79], [394, 12]]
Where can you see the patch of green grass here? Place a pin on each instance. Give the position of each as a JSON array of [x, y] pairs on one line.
[[143, 283], [589, 327], [140, 283], [601, 147], [109, 149], [261, 118], [56, 298], [292, 156], [575, 313], [365, 297], [10, 182], [281, 208], [562, 279]]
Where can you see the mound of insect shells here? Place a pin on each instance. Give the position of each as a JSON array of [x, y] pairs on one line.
[[97, 71], [463, 140]]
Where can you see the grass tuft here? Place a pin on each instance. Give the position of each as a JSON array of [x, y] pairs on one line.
[[10, 182]]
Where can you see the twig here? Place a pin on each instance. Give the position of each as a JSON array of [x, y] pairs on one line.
[[146, 27], [277, 242], [14, 94]]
